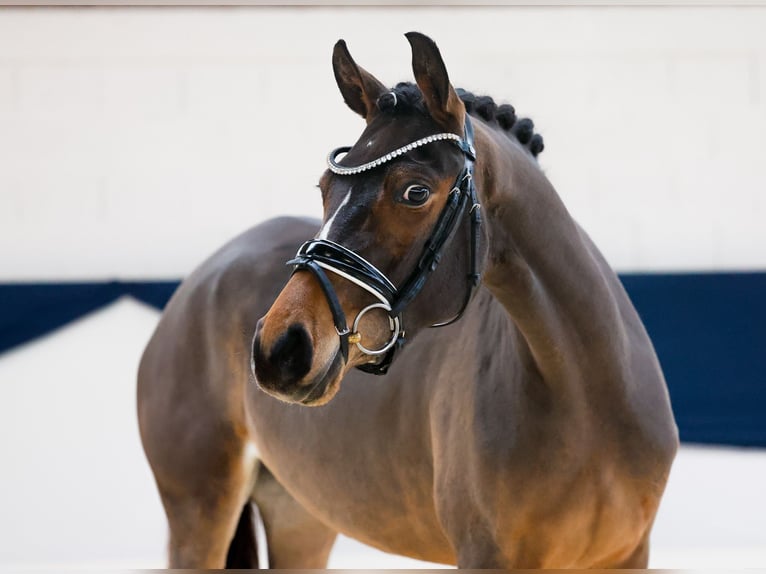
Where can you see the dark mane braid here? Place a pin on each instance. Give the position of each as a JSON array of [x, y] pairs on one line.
[[409, 98]]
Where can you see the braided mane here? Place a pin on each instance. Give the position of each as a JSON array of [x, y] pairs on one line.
[[408, 98]]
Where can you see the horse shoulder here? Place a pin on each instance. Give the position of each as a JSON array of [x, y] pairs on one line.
[[193, 373], [634, 397], [230, 287]]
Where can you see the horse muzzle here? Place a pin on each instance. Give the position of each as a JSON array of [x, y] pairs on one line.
[[295, 355], [280, 367]]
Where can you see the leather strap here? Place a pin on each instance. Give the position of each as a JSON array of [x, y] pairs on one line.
[[338, 316], [432, 250], [346, 261], [445, 227]]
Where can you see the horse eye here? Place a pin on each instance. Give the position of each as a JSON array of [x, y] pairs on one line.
[[416, 195]]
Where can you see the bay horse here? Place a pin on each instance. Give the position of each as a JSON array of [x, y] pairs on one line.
[[532, 429]]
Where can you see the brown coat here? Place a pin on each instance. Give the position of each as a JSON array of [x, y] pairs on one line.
[[534, 432]]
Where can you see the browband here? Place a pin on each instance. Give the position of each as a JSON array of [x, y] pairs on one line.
[[336, 168]]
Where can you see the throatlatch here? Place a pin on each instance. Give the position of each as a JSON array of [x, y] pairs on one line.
[[320, 255]]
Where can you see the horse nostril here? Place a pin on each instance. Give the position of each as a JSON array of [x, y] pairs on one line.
[[292, 353], [289, 359]]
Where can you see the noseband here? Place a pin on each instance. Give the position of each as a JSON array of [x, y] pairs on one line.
[[320, 255]]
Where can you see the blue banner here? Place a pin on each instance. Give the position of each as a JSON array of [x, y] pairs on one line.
[[709, 330]]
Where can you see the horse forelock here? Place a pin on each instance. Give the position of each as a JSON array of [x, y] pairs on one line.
[[409, 99]]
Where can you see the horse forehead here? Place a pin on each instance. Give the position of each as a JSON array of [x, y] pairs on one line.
[[387, 134]]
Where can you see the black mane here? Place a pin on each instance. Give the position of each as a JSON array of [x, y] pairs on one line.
[[409, 98]]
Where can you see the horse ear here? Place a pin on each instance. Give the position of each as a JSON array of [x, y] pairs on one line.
[[359, 88], [440, 97]]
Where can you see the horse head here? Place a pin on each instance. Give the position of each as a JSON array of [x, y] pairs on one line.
[[399, 246]]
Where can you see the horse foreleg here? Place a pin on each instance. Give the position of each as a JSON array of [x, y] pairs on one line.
[[639, 559], [481, 553], [295, 539], [203, 516]]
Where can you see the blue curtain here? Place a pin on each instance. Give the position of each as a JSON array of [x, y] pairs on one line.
[[709, 331], [30, 310]]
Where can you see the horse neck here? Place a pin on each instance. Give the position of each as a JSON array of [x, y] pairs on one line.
[[543, 269]]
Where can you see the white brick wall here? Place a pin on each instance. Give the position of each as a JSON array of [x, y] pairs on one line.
[[134, 141]]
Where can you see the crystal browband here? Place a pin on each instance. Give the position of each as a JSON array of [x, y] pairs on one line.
[[336, 168]]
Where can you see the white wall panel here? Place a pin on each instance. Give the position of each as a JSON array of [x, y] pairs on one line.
[[134, 141]]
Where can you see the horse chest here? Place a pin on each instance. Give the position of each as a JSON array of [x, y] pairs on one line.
[[366, 471]]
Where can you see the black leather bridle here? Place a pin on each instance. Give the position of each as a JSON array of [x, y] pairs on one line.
[[320, 255]]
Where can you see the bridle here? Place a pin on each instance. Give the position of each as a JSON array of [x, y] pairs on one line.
[[320, 255]]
